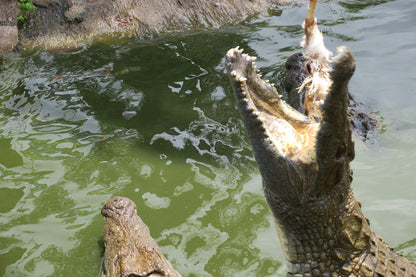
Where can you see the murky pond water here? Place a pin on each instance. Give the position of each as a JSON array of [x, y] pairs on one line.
[[157, 121]]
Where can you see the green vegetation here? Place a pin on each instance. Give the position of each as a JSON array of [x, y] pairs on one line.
[[25, 7]]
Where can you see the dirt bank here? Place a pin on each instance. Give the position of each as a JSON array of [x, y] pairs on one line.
[[65, 23]]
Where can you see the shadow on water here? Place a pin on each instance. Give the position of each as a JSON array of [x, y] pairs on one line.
[[155, 121]]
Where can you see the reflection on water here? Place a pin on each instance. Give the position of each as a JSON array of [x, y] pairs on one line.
[[156, 121]]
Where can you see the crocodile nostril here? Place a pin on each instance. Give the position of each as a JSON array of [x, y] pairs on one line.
[[340, 152]]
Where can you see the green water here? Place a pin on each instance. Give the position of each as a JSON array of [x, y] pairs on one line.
[[67, 145]]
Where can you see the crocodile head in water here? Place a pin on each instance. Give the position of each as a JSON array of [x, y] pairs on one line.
[[130, 251], [304, 160]]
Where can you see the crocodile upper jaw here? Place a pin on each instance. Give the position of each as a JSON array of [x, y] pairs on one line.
[[297, 156]]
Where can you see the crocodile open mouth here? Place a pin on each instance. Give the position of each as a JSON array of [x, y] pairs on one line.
[[288, 144], [292, 134]]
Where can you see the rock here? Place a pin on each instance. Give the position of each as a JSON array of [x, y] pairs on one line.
[[76, 11], [62, 23], [8, 12], [8, 38], [45, 3]]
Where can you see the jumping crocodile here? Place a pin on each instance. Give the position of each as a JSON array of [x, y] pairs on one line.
[[304, 160]]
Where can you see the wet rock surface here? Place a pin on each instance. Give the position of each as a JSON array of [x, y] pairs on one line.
[[8, 13], [60, 23], [8, 25], [8, 38], [76, 11]]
